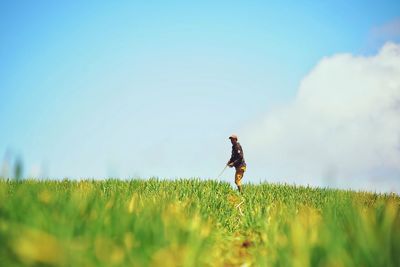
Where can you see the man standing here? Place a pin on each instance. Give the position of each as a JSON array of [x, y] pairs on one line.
[[237, 161]]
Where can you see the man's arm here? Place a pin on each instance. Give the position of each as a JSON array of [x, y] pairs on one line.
[[232, 159], [239, 154]]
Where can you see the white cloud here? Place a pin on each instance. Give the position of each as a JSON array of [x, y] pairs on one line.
[[342, 129]]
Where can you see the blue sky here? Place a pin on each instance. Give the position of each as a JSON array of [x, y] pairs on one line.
[[154, 88]]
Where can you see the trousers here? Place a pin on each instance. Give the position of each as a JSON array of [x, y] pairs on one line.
[[239, 175]]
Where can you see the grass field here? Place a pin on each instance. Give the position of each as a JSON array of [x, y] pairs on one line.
[[194, 223]]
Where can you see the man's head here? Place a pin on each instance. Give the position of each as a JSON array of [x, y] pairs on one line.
[[233, 139]]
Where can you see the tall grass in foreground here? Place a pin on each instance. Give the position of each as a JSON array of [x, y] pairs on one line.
[[194, 223]]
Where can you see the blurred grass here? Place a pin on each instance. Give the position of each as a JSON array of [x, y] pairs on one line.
[[194, 223]]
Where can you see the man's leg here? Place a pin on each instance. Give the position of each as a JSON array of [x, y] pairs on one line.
[[238, 178]]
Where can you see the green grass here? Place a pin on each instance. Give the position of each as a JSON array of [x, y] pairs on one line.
[[194, 223]]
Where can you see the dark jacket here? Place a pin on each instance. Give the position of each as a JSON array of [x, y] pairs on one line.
[[237, 157]]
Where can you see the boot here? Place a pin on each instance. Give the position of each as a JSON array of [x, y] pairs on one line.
[[239, 188]]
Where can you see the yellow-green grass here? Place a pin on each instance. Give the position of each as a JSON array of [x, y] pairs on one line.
[[191, 222]]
